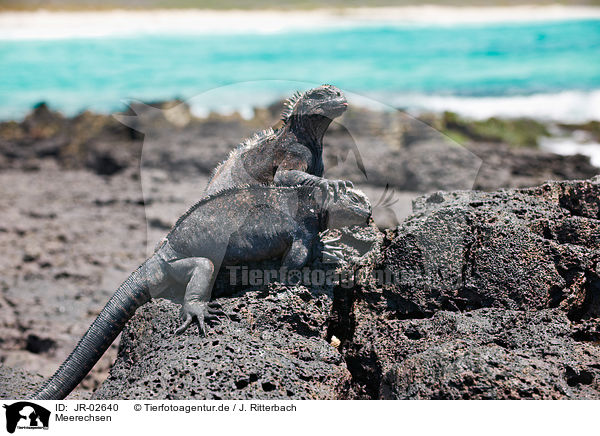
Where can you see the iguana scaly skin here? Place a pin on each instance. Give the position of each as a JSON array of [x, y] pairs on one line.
[[233, 227], [291, 155]]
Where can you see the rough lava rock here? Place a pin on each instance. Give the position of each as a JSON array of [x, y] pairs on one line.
[[494, 354], [521, 254], [526, 249], [269, 348]]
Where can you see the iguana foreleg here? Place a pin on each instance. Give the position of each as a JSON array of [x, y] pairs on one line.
[[300, 178], [298, 254], [198, 274]]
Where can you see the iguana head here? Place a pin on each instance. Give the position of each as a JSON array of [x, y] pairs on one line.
[[326, 101], [350, 209]]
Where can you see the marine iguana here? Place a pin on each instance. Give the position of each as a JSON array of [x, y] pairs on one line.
[[233, 227], [291, 155]]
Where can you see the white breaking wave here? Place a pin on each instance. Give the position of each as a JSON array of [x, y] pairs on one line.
[[567, 106], [57, 25], [569, 146]]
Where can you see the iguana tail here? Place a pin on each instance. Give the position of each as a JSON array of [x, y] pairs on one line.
[[106, 327]]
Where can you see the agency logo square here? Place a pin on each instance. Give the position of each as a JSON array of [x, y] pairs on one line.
[[25, 415]]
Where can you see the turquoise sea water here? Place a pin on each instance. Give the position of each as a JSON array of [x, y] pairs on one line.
[[470, 61]]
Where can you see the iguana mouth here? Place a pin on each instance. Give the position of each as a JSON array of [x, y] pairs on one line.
[[337, 105]]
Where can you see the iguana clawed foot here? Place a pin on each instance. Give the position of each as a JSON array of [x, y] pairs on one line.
[[333, 252], [337, 186], [202, 311]]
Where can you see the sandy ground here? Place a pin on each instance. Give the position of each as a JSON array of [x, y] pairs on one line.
[[64, 254], [69, 238]]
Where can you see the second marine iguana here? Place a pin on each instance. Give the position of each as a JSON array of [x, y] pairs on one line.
[[236, 226], [291, 155]]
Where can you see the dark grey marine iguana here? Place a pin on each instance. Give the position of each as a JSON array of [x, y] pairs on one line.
[[291, 155], [236, 226]]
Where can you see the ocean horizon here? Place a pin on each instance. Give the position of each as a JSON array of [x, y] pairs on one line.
[[537, 68]]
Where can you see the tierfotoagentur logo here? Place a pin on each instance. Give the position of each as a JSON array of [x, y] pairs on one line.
[[25, 415], [345, 278]]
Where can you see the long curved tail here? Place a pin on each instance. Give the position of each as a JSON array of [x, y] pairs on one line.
[[106, 327]]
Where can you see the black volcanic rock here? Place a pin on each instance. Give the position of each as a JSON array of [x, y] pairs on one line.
[[526, 249], [517, 253], [271, 347], [494, 354]]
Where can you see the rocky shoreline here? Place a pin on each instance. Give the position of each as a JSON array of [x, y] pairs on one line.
[[496, 291]]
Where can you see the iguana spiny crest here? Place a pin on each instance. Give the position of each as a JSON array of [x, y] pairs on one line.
[[326, 100]]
